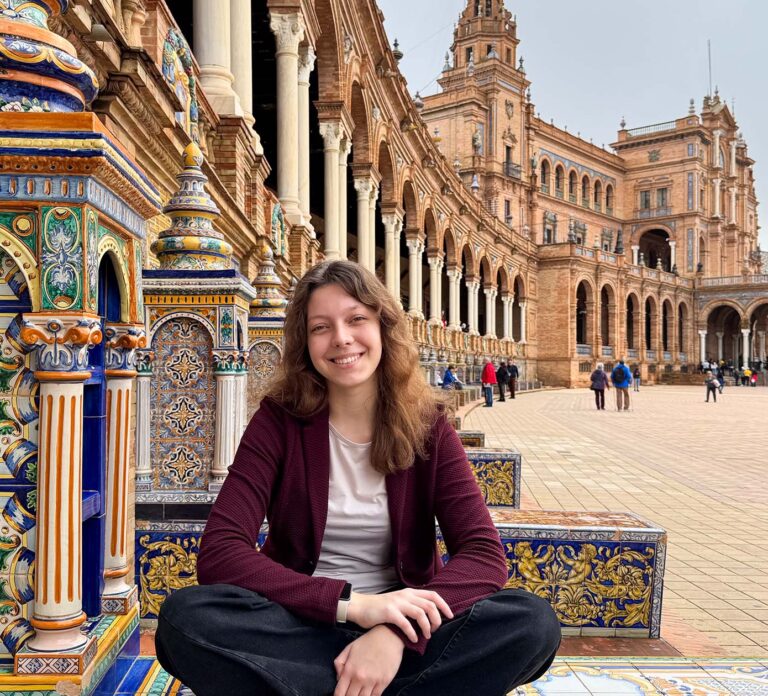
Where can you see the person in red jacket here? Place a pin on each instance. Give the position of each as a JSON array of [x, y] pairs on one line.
[[352, 460], [488, 379]]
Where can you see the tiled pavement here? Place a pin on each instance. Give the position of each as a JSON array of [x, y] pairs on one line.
[[699, 470]]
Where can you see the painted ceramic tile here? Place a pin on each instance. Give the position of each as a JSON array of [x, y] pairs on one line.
[[497, 472]]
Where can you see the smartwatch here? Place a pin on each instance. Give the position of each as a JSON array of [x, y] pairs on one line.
[[343, 606]]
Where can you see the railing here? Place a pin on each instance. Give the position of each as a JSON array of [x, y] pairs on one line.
[[572, 197], [650, 273], [654, 128], [583, 349], [559, 193], [607, 351], [667, 355], [585, 203], [544, 188], [682, 357], [644, 213], [685, 282], [668, 277], [583, 251], [734, 280], [635, 270], [609, 210], [513, 170], [632, 353], [650, 355], [605, 256], [598, 206]]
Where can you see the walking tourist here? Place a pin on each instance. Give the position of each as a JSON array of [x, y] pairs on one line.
[[712, 384], [488, 379], [746, 376], [636, 378], [599, 384], [514, 374], [354, 459], [502, 377], [621, 378]]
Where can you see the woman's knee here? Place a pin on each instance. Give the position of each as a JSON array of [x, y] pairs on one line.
[[535, 621]]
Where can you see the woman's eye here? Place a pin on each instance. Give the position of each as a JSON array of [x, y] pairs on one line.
[[317, 328], [359, 317]]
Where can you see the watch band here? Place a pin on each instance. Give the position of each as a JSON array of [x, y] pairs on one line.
[[343, 606]]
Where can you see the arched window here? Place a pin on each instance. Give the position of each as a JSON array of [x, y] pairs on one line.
[[585, 191], [572, 184], [545, 176], [559, 176], [598, 196], [609, 199]]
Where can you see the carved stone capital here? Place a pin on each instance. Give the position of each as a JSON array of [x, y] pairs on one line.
[[120, 347], [62, 342], [331, 132], [288, 29], [307, 59]]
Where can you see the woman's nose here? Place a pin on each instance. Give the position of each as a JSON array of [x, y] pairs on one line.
[[341, 336]]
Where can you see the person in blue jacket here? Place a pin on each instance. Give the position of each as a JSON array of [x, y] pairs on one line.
[[449, 379], [622, 380]]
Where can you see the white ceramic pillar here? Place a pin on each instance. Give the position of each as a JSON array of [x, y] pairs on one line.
[[454, 297], [241, 55], [473, 288], [363, 188], [506, 302], [288, 29], [523, 337], [305, 68], [635, 254], [344, 149], [761, 339], [716, 148], [413, 277], [490, 312], [702, 345], [512, 316], [672, 254], [398, 232], [732, 171], [143, 416], [434, 286], [331, 133], [719, 335], [745, 347], [62, 358], [439, 290], [716, 194], [389, 220], [213, 40], [420, 279], [372, 227], [732, 210], [241, 412], [225, 373]]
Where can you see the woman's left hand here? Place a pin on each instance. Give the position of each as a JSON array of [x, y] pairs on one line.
[[368, 665]]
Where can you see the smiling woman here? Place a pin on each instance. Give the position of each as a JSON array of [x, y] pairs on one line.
[[353, 458]]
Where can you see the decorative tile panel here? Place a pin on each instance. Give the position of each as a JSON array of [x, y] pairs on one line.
[[264, 358], [183, 397], [498, 474]]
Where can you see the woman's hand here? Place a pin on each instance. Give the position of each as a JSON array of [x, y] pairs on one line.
[[368, 665], [396, 608]]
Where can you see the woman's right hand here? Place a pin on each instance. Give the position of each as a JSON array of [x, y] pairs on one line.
[[396, 608]]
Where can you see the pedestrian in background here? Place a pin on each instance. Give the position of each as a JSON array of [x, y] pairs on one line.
[[621, 378], [488, 379], [514, 373], [712, 384], [636, 378], [502, 377], [599, 384]]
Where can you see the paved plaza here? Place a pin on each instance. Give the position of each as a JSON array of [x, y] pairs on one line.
[[697, 469]]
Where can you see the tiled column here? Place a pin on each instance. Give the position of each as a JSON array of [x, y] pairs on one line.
[[122, 340], [225, 371], [391, 255], [454, 297], [212, 51], [363, 187], [62, 345], [144, 360], [490, 312], [372, 227], [288, 29], [506, 301], [344, 150], [331, 133], [241, 396], [306, 66]]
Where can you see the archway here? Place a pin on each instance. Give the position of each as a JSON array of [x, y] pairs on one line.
[[632, 322], [667, 327], [517, 309], [583, 318], [724, 340], [651, 325], [655, 251], [606, 322]]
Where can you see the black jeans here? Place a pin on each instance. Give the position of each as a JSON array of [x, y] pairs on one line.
[[502, 389], [600, 398], [222, 639]]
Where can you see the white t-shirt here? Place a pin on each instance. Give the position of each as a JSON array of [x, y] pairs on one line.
[[357, 544]]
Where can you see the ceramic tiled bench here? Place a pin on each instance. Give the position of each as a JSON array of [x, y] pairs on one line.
[[471, 438], [498, 472]]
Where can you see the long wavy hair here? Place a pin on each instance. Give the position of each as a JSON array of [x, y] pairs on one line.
[[406, 406]]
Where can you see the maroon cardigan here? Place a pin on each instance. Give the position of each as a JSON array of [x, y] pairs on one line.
[[282, 470]]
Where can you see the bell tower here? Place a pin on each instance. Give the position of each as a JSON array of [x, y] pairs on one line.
[[486, 30]]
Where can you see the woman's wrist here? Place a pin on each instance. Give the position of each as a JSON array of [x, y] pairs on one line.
[[353, 609]]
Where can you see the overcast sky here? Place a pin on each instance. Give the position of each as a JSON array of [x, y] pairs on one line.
[[593, 62]]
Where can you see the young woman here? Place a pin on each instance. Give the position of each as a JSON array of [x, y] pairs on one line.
[[351, 460]]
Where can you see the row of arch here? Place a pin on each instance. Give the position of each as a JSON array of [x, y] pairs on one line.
[[586, 191]]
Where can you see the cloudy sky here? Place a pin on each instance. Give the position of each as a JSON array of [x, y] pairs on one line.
[[592, 63]]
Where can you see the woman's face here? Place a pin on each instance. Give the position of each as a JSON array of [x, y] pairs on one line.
[[344, 338]]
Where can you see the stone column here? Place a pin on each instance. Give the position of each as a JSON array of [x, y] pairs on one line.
[[735, 345], [506, 301], [344, 150], [331, 133], [439, 291], [288, 29], [473, 287], [211, 20], [62, 343], [372, 227], [391, 256], [414, 260], [672, 254], [745, 347], [761, 337], [241, 395], [523, 338], [144, 360], [122, 340], [716, 194], [305, 68], [512, 316], [490, 312], [720, 345], [454, 297], [716, 148], [420, 279], [702, 345], [225, 372], [635, 254], [733, 158], [241, 58], [398, 232], [363, 187], [434, 286], [732, 211]]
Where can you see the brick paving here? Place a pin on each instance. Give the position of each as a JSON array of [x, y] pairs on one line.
[[700, 470]]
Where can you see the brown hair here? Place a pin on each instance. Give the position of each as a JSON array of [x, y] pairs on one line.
[[406, 407]]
